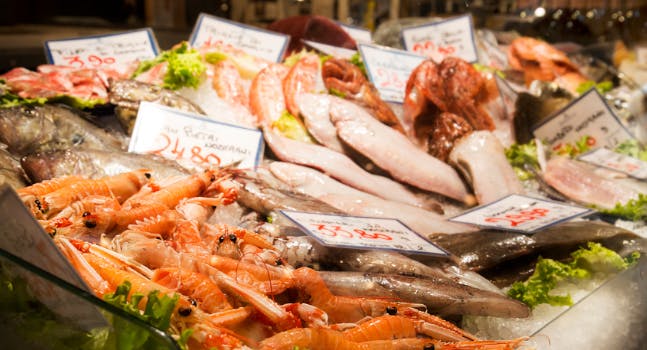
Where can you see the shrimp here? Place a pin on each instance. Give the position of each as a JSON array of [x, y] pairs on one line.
[[194, 285], [395, 327], [480, 344], [341, 308], [309, 338]]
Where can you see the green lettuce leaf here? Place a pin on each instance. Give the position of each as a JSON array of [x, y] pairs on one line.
[[632, 148], [634, 209], [185, 67], [602, 87], [521, 156], [291, 127], [356, 59], [548, 273]]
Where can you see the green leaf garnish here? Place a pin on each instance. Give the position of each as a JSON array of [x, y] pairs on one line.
[[185, 67]]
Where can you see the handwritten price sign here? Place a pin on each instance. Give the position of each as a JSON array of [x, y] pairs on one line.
[[625, 164], [192, 140], [389, 70], [437, 40], [362, 232], [103, 50], [255, 41], [520, 213], [334, 51]]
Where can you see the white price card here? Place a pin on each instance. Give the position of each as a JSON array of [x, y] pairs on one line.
[[362, 232], [103, 51], [334, 51], [588, 115], [615, 161], [23, 237], [520, 213], [257, 42], [360, 35], [193, 140], [437, 40], [389, 70]]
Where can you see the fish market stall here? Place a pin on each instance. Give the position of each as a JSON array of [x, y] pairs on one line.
[[269, 187]]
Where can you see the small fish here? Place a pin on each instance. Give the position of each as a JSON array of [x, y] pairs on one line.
[[127, 94], [439, 295], [44, 128], [95, 164]]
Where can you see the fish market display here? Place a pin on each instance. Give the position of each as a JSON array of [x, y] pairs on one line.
[[235, 272]]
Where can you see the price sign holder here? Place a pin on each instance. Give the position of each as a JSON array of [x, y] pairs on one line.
[[22, 236], [359, 232], [255, 41], [359, 34], [609, 159], [520, 214], [389, 69], [104, 49], [588, 115], [334, 51], [193, 140], [450, 37]]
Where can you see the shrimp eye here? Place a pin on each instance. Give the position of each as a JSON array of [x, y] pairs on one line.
[[90, 223], [193, 302], [232, 237], [86, 213], [429, 347], [148, 175], [184, 311], [221, 239], [278, 262], [391, 310], [212, 178]]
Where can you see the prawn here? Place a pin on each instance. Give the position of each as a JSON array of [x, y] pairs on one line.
[[194, 285]]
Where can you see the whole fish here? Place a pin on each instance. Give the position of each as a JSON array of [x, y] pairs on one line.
[[127, 94], [439, 295], [95, 164], [481, 159], [338, 166], [44, 128], [315, 110], [393, 152], [10, 171], [487, 249], [306, 251]]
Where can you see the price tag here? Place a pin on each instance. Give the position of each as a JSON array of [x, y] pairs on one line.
[[334, 51], [520, 213], [437, 40], [103, 51], [24, 238], [362, 232], [389, 70], [588, 115], [255, 41], [192, 140], [615, 161], [508, 96], [360, 35]]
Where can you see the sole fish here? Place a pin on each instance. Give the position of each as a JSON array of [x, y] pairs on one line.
[[393, 152]]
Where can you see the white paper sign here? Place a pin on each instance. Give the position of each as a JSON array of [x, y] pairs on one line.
[[255, 41], [360, 35], [520, 213], [103, 51], [625, 164], [389, 70], [192, 140], [450, 37], [588, 115], [362, 232], [22, 236], [334, 51]]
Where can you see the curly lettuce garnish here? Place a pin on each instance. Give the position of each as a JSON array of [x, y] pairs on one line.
[[602, 87], [291, 127], [356, 59], [522, 156], [634, 209], [632, 148], [548, 273], [185, 67]]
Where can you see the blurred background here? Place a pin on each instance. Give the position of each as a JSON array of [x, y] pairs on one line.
[[26, 24]]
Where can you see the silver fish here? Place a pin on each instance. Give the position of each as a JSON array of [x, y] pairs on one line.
[[44, 128], [481, 159], [393, 152], [95, 164], [340, 167], [439, 295], [127, 94]]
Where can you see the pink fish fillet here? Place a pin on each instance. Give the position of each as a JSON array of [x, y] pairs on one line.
[[338, 166], [393, 152], [481, 158], [579, 182]]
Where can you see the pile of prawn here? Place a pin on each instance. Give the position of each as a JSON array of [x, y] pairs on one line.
[[235, 291]]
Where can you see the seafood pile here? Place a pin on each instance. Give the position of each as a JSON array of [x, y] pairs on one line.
[[244, 275]]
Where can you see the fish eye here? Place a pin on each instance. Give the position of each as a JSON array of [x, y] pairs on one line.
[[77, 139]]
